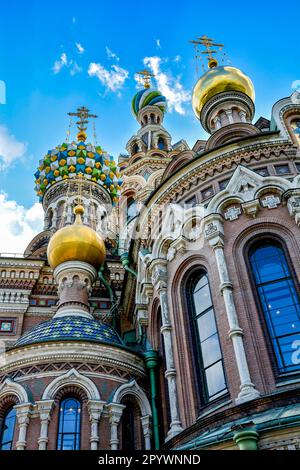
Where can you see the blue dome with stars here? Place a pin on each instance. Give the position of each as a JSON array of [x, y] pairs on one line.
[[71, 328]]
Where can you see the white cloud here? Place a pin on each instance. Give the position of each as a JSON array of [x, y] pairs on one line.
[[74, 68], [169, 86], [177, 58], [65, 62], [21, 224], [158, 45], [80, 48], [111, 55], [10, 147], [59, 64], [112, 79]]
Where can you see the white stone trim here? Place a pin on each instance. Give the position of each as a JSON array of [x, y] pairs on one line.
[[9, 387], [133, 389], [72, 377]]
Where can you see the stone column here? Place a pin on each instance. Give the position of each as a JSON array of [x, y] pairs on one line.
[[23, 412], [159, 281], [115, 414], [95, 408], [214, 234], [44, 409], [145, 421]]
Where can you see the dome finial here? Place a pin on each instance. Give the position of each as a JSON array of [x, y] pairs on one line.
[[83, 114], [146, 77], [208, 44]]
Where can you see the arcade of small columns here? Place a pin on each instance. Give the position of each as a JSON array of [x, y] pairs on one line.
[[60, 213], [26, 410]]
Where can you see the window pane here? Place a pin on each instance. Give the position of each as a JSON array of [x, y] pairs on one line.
[[206, 324], [69, 425], [279, 301], [215, 379], [211, 351], [7, 431], [202, 299]]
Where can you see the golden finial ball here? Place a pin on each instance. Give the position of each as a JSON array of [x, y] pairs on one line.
[[76, 242], [217, 80]]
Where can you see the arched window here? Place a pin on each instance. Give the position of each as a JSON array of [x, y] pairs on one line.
[[132, 209], [161, 143], [279, 302], [209, 357], [69, 424], [7, 429]]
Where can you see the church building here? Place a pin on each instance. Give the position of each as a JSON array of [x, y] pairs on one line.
[[159, 308]]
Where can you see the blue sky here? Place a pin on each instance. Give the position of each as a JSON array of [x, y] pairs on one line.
[[58, 55]]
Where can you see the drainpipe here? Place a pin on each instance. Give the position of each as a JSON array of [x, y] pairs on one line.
[[111, 295], [125, 262], [245, 436], [151, 359]]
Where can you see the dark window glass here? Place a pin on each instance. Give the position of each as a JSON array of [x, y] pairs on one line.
[[279, 302], [210, 360], [161, 143], [207, 193], [69, 425], [223, 184], [282, 169], [262, 171], [128, 438], [7, 430]]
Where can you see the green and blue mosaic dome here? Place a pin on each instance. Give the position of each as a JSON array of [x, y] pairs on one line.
[[148, 97], [70, 328], [69, 160]]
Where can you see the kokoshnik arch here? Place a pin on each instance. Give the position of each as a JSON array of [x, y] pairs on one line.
[[120, 334]]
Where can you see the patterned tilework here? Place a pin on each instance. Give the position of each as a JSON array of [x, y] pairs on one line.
[[70, 329]]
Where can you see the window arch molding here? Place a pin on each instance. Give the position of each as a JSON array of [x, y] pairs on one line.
[[275, 333]]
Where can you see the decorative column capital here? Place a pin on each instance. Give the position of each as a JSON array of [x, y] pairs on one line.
[[214, 230], [44, 408], [158, 270], [115, 412], [23, 411], [95, 408]]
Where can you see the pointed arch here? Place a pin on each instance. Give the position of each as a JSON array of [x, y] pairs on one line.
[[9, 387], [72, 377], [134, 390]]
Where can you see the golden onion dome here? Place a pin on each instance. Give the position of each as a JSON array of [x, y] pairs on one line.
[[219, 79], [76, 242]]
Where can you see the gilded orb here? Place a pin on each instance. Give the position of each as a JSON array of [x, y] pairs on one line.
[[219, 79], [76, 242]]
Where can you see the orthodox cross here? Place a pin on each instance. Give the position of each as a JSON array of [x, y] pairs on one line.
[[209, 45], [146, 77], [83, 114]]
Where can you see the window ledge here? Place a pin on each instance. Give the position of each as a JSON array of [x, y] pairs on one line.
[[205, 413], [288, 381]]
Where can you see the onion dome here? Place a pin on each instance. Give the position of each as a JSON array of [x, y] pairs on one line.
[[70, 328], [148, 97], [69, 160], [76, 242], [217, 80]]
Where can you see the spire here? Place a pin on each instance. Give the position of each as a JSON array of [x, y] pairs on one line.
[[83, 114]]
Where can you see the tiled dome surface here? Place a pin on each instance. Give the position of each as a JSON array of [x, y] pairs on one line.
[[70, 329]]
